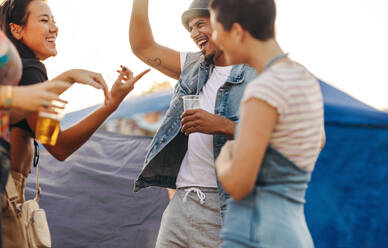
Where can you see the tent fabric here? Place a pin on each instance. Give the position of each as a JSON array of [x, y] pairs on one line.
[[135, 105], [342, 109], [90, 203], [347, 195], [89, 199]]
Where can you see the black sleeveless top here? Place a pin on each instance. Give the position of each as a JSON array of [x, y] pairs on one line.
[[34, 72], [5, 165]]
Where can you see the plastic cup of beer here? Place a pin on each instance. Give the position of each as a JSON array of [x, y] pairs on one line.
[[191, 102], [48, 126]]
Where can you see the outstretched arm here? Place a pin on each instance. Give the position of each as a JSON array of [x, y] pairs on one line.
[[144, 46], [84, 77], [71, 139]]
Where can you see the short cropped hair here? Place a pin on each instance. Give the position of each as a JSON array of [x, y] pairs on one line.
[[255, 16]]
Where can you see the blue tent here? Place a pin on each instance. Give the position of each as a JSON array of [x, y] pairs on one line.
[[347, 195], [90, 202]]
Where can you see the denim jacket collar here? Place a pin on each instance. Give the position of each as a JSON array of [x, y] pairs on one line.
[[236, 76]]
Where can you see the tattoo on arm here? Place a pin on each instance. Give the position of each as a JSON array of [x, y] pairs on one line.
[[156, 62]]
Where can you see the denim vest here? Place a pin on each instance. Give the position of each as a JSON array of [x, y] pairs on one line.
[[282, 177], [169, 146]]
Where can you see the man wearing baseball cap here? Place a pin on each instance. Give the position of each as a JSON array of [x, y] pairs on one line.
[[183, 151]]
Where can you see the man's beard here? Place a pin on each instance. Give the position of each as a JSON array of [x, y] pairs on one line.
[[210, 57], [213, 56]]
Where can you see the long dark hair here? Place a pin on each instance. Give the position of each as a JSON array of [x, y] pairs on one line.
[[15, 11]]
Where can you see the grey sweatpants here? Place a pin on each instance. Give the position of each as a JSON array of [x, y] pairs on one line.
[[190, 224]]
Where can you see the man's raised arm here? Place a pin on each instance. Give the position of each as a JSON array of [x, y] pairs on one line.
[[144, 46]]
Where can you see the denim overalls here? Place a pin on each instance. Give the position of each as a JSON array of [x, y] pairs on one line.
[[169, 146], [272, 215]]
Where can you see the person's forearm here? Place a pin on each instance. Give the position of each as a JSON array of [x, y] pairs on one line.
[[71, 139], [232, 181], [140, 33], [143, 44], [238, 175], [65, 77], [237, 180]]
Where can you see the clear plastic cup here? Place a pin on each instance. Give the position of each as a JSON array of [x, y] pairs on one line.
[[48, 125], [191, 102]]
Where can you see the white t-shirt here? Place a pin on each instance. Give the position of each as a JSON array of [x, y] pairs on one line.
[[297, 97], [197, 168]]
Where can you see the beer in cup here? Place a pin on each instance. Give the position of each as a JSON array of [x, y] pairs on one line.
[[48, 126]]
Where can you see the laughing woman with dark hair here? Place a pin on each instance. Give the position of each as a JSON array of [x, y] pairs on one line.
[[18, 98], [30, 25], [281, 133]]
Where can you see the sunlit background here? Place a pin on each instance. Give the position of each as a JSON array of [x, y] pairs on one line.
[[344, 42]]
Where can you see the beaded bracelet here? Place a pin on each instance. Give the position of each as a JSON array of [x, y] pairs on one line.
[[6, 96], [4, 115], [1, 97]]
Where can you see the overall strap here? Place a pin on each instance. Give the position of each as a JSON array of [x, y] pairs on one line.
[[274, 59]]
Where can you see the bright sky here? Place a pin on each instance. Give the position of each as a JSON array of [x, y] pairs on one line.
[[342, 42]]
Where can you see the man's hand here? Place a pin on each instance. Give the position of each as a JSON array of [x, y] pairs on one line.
[[201, 121]]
